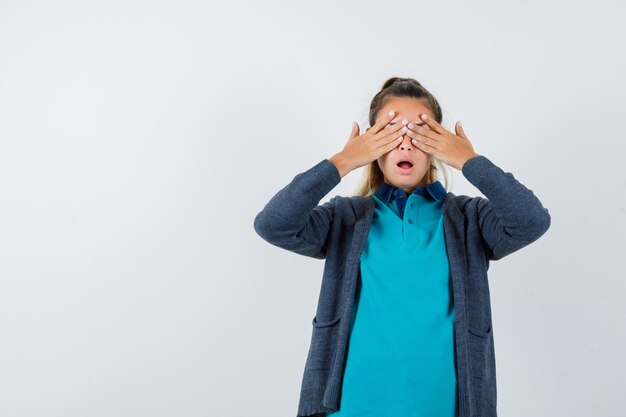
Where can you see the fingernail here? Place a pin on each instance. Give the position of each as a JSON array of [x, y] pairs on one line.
[[411, 126], [405, 121], [391, 113], [424, 117], [460, 124]]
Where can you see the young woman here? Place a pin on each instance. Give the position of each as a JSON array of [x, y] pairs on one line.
[[403, 324]]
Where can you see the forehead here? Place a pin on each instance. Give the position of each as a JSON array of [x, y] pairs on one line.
[[405, 108]]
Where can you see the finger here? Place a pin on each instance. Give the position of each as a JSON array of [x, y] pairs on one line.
[[424, 147], [391, 131], [355, 130], [404, 122], [418, 139], [417, 124], [432, 123], [391, 142], [392, 128], [423, 130], [459, 130], [383, 121]]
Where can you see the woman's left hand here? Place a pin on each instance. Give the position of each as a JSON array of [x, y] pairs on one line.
[[451, 149]]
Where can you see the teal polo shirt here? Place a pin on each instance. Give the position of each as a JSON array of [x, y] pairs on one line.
[[401, 359]]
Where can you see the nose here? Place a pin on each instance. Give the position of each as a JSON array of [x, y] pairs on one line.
[[406, 142]]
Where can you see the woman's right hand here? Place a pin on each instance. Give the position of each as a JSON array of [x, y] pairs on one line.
[[371, 145]]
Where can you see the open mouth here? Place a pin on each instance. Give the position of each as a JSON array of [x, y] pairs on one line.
[[405, 166]]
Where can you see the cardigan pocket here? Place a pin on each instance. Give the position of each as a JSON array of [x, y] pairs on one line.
[[323, 344], [316, 323], [479, 342]]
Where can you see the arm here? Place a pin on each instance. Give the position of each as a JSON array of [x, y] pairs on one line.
[[511, 216], [293, 220]]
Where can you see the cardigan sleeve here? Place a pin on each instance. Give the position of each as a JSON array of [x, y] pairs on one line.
[[293, 219], [511, 216]]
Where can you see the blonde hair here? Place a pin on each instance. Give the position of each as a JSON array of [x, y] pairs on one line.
[[400, 87]]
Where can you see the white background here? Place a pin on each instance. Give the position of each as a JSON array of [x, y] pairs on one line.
[[139, 139]]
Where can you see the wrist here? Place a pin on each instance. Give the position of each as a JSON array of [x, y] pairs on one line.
[[467, 158], [341, 163]]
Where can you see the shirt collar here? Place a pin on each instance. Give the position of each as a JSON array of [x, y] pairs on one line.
[[434, 191]]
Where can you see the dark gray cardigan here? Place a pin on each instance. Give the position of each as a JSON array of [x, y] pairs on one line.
[[477, 230]]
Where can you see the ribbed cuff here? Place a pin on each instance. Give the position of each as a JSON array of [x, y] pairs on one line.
[[331, 173], [311, 401], [481, 172]]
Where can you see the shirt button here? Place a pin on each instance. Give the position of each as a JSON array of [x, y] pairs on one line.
[[411, 221]]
